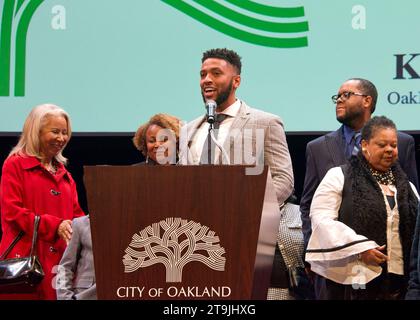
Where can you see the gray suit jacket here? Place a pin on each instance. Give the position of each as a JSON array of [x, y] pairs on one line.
[[327, 152], [255, 133], [77, 259]]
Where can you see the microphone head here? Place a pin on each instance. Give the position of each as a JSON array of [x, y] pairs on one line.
[[211, 103], [211, 106]]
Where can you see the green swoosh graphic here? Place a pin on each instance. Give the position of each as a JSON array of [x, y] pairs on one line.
[[235, 32], [21, 33], [5, 46], [19, 4], [252, 22], [269, 10]]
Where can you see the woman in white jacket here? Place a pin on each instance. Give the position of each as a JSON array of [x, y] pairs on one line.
[[363, 216]]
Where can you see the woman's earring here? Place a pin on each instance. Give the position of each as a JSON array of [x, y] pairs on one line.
[[367, 151], [147, 159]]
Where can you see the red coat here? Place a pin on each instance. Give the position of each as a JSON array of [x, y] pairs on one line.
[[28, 189]]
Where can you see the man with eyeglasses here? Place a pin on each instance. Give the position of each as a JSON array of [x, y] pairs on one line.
[[355, 102]]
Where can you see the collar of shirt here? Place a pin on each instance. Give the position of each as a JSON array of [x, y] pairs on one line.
[[201, 135], [233, 109], [348, 134]]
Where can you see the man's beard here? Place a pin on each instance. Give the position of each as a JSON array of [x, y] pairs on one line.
[[223, 96], [350, 117]]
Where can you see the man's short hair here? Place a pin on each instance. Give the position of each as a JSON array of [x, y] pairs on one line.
[[228, 55], [368, 88]]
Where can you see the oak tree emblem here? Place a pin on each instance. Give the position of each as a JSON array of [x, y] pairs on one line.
[[174, 242]]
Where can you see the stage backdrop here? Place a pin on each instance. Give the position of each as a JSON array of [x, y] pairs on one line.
[[113, 63]]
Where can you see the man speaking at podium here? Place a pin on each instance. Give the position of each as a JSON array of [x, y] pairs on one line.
[[232, 132]]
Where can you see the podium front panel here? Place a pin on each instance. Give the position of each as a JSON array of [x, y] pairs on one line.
[[181, 232]]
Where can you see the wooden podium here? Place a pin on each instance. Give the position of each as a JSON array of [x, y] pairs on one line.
[[182, 232]]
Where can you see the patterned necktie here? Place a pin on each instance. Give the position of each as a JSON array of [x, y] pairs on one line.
[[209, 147], [356, 143]]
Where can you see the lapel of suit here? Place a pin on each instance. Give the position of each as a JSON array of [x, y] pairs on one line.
[[335, 146], [238, 124], [192, 130], [186, 137]]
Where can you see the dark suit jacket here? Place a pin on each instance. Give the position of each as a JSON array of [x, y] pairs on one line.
[[413, 292], [327, 152]]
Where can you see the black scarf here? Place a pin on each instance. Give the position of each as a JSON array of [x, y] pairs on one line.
[[363, 208]]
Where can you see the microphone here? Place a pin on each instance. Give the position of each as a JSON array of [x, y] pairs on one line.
[[211, 106]]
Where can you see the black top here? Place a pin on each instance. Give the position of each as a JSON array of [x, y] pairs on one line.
[[391, 201]]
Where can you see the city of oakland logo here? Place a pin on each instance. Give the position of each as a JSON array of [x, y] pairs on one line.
[[15, 19], [174, 242], [249, 21]]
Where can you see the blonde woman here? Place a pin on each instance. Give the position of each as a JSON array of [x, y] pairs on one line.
[[35, 182]]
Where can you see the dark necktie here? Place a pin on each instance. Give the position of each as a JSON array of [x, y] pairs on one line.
[[356, 143], [209, 147]]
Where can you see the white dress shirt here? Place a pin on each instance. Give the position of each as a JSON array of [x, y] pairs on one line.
[[394, 246], [201, 135]]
